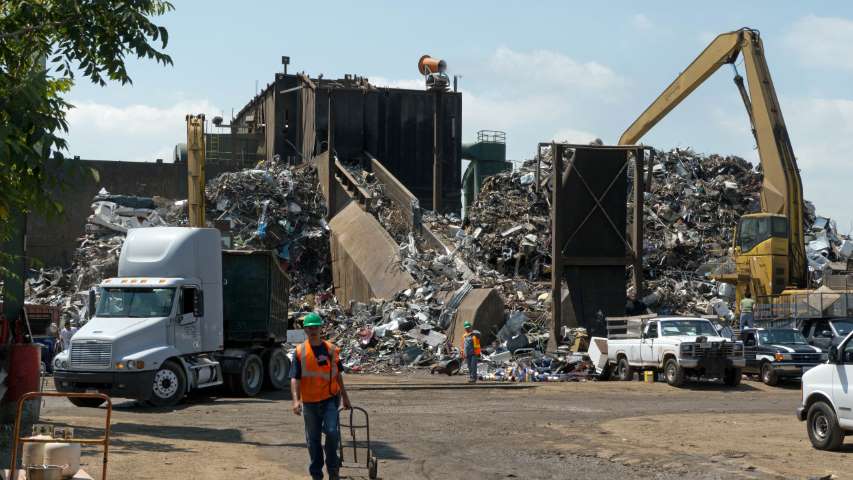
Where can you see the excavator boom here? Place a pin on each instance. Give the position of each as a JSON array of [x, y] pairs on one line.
[[782, 191]]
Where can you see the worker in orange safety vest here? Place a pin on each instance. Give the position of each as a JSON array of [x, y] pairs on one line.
[[471, 351], [317, 387]]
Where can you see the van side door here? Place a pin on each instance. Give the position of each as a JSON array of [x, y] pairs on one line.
[[842, 380]]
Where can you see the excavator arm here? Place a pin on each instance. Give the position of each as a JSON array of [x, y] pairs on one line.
[[782, 190]]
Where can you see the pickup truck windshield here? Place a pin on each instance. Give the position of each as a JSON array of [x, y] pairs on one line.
[[781, 336], [673, 328], [135, 302], [843, 327]]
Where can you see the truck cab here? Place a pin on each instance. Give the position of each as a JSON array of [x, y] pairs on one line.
[[778, 353], [825, 332]]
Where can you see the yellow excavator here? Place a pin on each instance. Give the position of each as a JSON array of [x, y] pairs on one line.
[[769, 251]]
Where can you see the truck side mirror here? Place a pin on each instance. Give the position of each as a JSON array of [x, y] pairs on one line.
[[833, 354], [198, 303], [90, 306]]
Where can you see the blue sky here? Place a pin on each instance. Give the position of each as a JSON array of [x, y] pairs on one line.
[[538, 70]]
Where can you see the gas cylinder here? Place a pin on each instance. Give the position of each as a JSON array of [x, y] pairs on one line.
[[66, 454], [33, 453]]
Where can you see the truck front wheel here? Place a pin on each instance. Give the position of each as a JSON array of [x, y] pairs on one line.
[[674, 373], [732, 377], [170, 385], [250, 379], [623, 370], [768, 376], [278, 369]]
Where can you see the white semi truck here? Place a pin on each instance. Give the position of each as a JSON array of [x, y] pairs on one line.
[[182, 314]]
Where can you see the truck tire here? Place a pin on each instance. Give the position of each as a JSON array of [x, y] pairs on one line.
[[170, 385], [674, 373], [623, 370], [277, 371], [823, 428], [768, 376], [86, 402], [250, 379], [732, 376]]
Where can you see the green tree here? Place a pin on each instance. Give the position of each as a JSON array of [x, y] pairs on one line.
[[43, 44]]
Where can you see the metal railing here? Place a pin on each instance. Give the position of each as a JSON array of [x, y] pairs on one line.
[[491, 136], [804, 305]]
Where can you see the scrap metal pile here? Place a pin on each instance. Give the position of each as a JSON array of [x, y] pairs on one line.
[[96, 257], [409, 331], [690, 211], [276, 207]]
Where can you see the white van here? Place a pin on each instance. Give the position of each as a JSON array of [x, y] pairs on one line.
[[827, 406]]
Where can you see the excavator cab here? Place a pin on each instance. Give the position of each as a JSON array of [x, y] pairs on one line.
[[761, 255], [754, 230]]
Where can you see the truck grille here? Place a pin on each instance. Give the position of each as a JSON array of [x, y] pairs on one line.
[[806, 357], [714, 349], [91, 354]]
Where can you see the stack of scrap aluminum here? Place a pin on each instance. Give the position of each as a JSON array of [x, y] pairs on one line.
[[277, 207]]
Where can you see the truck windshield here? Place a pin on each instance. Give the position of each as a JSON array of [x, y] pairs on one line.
[[135, 302], [781, 336], [843, 327], [672, 328]]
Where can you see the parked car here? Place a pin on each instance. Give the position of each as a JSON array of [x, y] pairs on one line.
[[827, 401], [825, 332], [779, 353]]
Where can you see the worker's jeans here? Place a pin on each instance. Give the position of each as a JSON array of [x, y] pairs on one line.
[[322, 418], [745, 320], [472, 361]]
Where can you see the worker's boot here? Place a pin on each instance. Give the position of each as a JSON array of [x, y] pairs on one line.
[[334, 475]]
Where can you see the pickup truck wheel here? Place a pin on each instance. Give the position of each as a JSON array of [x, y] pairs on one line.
[[250, 379], [674, 373], [85, 402], [822, 425], [623, 370], [278, 369], [732, 377], [768, 376], [170, 385]]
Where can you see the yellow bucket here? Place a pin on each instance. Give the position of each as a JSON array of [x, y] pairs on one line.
[[649, 376]]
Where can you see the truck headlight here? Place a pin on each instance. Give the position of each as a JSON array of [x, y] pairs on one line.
[[782, 356], [686, 347], [57, 363]]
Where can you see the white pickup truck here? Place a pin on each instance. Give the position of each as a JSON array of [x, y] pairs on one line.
[[677, 346]]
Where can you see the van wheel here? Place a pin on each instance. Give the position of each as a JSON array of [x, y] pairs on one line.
[[250, 379], [674, 373], [768, 376], [822, 425], [170, 385], [277, 372], [623, 370]]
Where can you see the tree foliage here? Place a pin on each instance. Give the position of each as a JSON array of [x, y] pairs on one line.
[[44, 45]]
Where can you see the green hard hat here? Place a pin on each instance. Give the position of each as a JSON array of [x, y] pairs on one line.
[[313, 319], [467, 324]]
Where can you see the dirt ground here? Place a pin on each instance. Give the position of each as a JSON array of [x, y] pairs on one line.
[[425, 427]]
